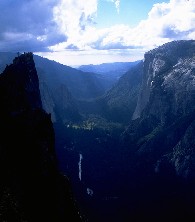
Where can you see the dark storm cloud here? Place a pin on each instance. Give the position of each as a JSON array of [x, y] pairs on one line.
[[24, 42], [172, 33], [72, 47], [28, 25]]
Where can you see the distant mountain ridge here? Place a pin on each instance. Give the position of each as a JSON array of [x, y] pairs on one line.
[[111, 72], [117, 68]]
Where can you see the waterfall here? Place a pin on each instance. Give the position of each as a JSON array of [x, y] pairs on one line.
[[80, 161]]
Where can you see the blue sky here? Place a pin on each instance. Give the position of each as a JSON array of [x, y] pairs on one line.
[[131, 12], [76, 32]]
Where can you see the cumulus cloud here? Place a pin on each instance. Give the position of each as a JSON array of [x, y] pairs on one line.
[[38, 25], [175, 19], [73, 18], [166, 22]]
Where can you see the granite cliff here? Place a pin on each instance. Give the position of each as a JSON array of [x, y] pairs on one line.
[[160, 138], [167, 97]]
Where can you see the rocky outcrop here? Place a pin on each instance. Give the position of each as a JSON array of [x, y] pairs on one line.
[[19, 86], [166, 100], [168, 82], [168, 86], [162, 129], [32, 189]]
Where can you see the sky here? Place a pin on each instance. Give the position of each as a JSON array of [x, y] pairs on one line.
[[77, 32]]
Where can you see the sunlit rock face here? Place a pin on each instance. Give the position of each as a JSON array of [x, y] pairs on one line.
[[162, 124], [168, 84]]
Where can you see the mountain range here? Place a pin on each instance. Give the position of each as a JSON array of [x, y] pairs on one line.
[[111, 72], [128, 147]]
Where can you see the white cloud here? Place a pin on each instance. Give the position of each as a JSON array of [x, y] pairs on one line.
[[73, 18], [60, 25], [165, 22], [116, 3]]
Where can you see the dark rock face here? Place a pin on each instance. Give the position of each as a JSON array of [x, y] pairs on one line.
[[31, 187], [19, 85]]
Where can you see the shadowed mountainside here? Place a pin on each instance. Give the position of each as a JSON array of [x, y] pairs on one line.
[[32, 188]]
